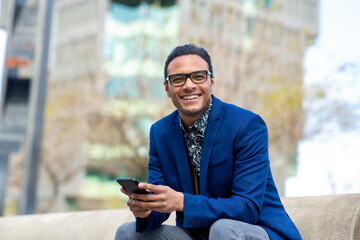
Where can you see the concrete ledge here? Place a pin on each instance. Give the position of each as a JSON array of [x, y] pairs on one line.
[[97, 225], [326, 217], [73, 225], [323, 217]]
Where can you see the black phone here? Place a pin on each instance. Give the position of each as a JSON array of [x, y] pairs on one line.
[[131, 185]]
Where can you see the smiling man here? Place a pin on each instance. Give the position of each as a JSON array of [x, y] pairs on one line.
[[209, 163]]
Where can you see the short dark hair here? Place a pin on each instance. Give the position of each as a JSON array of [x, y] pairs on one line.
[[188, 49]]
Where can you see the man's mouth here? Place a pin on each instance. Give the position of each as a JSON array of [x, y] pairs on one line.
[[190, 97]]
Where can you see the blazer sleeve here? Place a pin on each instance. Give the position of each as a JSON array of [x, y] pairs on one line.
[[250, 172], [157, 178]]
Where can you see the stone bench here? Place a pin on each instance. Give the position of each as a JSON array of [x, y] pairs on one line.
[[323, 217]]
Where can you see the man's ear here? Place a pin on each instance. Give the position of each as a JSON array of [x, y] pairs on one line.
[[212, 83], [166, 85]]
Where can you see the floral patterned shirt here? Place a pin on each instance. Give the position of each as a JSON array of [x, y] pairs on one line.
[[194, 138]]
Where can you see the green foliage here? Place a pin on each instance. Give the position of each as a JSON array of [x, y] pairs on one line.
[[97, 193], [118, 141]]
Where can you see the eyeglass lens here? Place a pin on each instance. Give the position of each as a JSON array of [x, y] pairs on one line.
[[196, 77]]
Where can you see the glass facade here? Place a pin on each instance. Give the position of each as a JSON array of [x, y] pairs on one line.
[[137, 40]]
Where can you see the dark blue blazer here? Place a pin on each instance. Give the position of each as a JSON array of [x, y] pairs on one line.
[[235, 176]]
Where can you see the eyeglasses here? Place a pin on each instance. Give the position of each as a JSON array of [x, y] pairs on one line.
[[179, 79]]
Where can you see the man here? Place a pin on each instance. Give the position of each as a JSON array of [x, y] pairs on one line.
[[209, 163]]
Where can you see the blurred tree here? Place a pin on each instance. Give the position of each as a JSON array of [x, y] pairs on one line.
[[334, 103], [118, 140], [65, 131]]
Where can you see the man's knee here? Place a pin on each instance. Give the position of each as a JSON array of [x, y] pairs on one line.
[[219, 228], [126, 231], [233, 229]]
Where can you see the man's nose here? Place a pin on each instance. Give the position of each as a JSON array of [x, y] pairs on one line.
[[189, 83]]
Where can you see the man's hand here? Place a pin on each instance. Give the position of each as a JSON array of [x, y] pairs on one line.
[[164, 199], [136, 210]]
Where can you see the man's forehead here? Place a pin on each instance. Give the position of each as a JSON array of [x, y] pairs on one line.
[[197, 62]]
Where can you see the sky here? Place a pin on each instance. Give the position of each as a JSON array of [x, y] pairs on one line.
[[330, 164], [339, 30]]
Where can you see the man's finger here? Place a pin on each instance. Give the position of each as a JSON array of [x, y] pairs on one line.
[[156, 206], [124, 191], [145, 197], [150, 187]]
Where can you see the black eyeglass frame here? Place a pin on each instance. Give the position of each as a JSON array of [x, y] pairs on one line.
[[188, 75]]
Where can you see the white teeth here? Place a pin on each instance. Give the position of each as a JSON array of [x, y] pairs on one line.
[[189, 97]]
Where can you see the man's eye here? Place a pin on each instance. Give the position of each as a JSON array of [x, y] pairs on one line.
[[199, 76], [177, 79]]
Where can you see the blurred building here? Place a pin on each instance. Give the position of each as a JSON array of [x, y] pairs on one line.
[[251, 35], [113, 41], [19, 19]]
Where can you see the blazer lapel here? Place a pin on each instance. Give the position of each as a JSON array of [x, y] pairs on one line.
[[210, 134], [180, 156]]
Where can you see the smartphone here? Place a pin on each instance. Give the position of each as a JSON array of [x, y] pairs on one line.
[[131, 185]]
